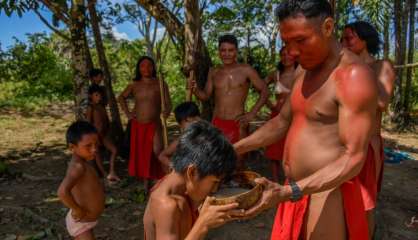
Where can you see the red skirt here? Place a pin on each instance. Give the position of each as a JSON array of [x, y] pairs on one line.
[[143, 162], [371, 182], [230, 128], [290, 215], [276, 150]]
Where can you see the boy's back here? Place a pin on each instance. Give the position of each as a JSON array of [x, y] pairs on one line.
[[163, 201]]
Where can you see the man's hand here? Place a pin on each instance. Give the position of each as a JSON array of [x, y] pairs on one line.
[[273, 194], [245, 119]]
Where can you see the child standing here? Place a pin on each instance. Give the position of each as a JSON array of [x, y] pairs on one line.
[[81, 190], [97, 116]]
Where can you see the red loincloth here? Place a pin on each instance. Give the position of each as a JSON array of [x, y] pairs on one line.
[[290, 215], [382, 165], [142, 161], [230, 128], [275, 151]]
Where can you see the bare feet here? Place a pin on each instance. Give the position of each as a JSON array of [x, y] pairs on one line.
[[112, 178]]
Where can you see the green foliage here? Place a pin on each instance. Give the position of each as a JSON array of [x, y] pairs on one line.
[[33, 73]]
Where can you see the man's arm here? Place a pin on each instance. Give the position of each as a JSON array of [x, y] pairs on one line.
[[270, 79], [74, 173], [269, 133], [261, 87], [207, 92], [166, 154], [122, 100], [385, 83], [357, 97]]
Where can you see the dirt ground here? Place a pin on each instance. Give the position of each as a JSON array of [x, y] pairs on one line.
[[32, 145]]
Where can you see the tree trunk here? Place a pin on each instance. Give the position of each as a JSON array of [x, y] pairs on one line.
[[397, 97], [386, 47], [411, 49], [273, 41], [80, 57], [116, 124], [197, 59]]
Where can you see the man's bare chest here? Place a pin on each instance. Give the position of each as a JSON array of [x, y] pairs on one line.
[[314, 104]]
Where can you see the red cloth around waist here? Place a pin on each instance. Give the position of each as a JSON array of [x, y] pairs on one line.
[[290, 215], [230, 128], [142, 160]]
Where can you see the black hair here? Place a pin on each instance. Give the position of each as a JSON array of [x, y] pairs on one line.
[[307, 8], [207, 149], [138, 73], [77, 130], [228, 38], [366, 32], [95, 72], [95, 88], [280, 65], [186, 110]]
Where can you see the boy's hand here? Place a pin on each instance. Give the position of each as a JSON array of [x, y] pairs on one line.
[[212, 216], [78, 214]]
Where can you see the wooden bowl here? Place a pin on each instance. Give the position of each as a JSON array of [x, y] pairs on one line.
[[247, 199]]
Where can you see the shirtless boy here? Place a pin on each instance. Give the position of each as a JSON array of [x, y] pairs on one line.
[[97, 116], [81, 190], [146, 129], [329, 120], [362, 39], [230, 83], [186, 113], [202, 158]]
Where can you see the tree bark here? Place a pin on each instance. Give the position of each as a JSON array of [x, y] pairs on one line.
[[80, 57], [116, 124], [197, 59], [386, 46], [163, 15], [411, 49], [397, 98]]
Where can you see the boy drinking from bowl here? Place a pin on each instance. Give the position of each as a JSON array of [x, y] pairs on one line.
[[202, 158]]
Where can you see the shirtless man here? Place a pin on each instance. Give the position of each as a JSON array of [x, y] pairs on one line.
[[362, 39], [202, 158], [282, 79], [146, 129], [230, 84], [329, 120], [81, 189]]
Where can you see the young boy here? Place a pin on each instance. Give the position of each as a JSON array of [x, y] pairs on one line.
[[96, 78], [81, 190], [186, 113], [202, 158], [97, 116]]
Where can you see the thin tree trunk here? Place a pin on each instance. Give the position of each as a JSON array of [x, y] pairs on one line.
[[196, 54], [116, 124], [79, 57], [386, 46], [397, 98], [273, 41], [411, 49]]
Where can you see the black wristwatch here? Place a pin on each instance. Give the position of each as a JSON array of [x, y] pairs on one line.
[[296, 192]]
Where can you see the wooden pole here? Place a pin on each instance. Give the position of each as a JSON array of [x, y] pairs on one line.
[[189, 88], [409, 65], [163, 119]]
